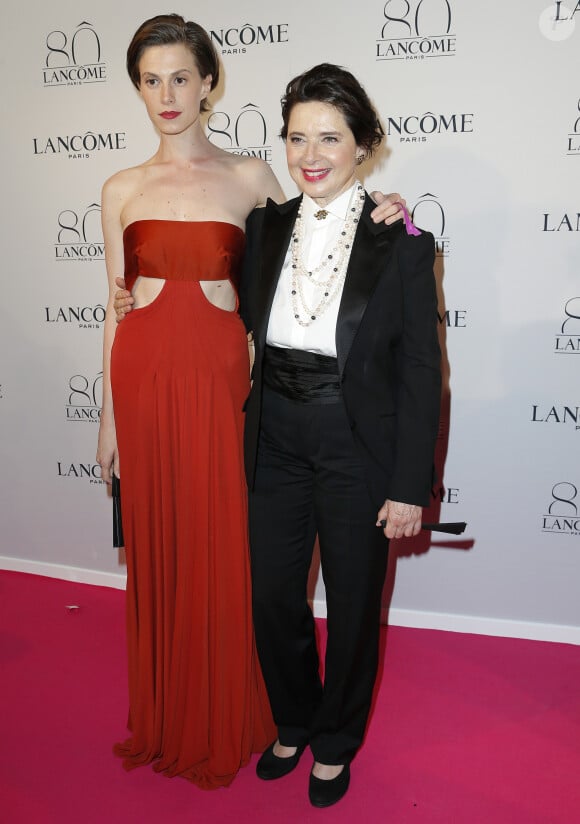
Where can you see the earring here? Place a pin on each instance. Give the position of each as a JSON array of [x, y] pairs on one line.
[[359, 159]]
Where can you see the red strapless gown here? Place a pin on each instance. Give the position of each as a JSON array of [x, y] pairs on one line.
[[179, 372]]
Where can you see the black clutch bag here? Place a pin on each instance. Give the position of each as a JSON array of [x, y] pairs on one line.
[[117, 521], [453, 528]]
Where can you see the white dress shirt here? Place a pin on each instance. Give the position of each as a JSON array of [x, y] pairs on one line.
[[320, 237]]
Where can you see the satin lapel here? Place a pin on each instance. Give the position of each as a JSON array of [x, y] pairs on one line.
[[276, 233], [369, 251]]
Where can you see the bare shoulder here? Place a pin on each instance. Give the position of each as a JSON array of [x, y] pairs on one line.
[[120, 190], [122, 183], [258, 177]]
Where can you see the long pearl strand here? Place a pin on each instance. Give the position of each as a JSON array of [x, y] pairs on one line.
[[338, 258]]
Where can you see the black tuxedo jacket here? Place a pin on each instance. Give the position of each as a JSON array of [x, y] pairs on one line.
[[386, 342]]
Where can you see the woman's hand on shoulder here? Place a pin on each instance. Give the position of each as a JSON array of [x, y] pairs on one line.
[[388, 209]]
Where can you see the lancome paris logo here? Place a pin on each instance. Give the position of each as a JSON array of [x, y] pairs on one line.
[[415, 30], [417, 128], [78, 471], [566, 222], [73, 58], [79, 146], [85, 398], [238, 39], [243, 132], [80, 236], [568, 339], [573, 147], [562, 516], [557, 413], [83, 317]]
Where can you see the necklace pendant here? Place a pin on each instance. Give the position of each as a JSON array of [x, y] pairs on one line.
[[321, 214]]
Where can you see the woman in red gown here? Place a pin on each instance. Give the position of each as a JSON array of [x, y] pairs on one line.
[[176, 378]]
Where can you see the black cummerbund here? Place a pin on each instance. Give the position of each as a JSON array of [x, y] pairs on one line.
[[301, 376]]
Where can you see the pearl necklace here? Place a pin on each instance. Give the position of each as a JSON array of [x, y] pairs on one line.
[[336, 261]]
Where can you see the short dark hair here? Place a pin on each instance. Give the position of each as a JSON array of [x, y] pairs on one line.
[[327, 83], [165, 30]]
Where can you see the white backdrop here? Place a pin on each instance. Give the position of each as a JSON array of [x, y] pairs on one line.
[[481, 103]]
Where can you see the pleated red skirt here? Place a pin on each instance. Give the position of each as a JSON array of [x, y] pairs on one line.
[[198, 706]]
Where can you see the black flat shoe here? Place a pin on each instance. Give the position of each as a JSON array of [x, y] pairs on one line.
[[326, 793], [271, 766]]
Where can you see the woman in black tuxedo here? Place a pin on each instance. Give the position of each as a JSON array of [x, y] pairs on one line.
[[340, 423]]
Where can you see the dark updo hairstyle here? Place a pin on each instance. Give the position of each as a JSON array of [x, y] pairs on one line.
[[166, 30], [336, 86]]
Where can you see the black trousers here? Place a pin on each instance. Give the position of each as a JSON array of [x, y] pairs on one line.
[[309, 480]]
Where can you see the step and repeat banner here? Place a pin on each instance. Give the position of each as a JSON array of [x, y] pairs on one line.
[[481, 107]]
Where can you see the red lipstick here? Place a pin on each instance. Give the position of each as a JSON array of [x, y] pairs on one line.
[[169, 115], [314, 175]]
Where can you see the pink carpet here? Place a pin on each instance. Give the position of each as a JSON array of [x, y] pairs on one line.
[[466, 729]]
